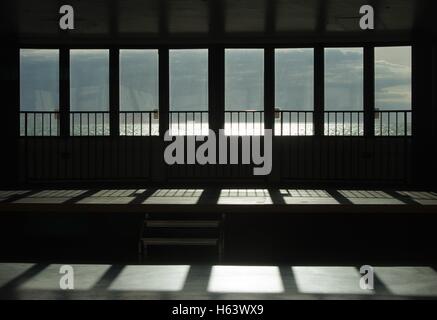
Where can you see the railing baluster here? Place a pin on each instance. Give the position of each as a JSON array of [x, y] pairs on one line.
[[245, 124], [50, 124], [193, 115], [72, 120], [149, 115], [80, 124], [34, 124], [25, 123], [238, 122], [95, 124], [42, 123], [298, 123], [131, 124], [380, 123], [177, 117], [126, 128], [343, 116], [388, 123], [405, 123]]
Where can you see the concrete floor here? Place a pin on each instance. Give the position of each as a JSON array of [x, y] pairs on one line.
[[41, 281]]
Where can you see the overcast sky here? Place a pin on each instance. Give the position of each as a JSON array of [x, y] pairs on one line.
[[189, 79]]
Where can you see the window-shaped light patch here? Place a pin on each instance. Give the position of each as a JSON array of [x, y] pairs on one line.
[[151, 278], [369, 197], [11, 271], [84, 277], [408, 281], [307, 197], [247, 279], [51, 196], [244, 196], [175, 196], [328, 280], [112, 196]]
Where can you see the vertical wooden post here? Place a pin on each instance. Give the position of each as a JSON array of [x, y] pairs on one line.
[[216, 87], [422, 88], [10, 119], [159, 172], [64, 92], [164, 93], [114, 91], [319, 90], [369, 91], [269, 87], [269, 111]]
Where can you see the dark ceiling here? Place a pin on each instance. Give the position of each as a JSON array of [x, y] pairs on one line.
[[281, 21]]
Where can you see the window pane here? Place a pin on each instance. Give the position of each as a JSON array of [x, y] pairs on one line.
[[294, 91], [244, 81], [393, 91], [39, 92], [188, 92], [393, 78], [139, 94], [39, 80], [343, 79], [89, 80], [294, 79], [189, 80], [244, 91], [344, 92], [138, 80]]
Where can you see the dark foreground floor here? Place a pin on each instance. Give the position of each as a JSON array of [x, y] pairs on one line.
[[259, 226], [41, 281]]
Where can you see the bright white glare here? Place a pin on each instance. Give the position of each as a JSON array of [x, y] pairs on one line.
[[244, 196], [246, 279]]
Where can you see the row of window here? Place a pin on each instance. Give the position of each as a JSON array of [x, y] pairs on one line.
[[188, 91]]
